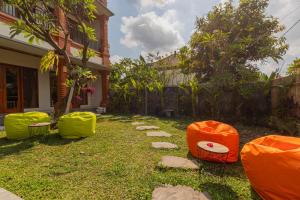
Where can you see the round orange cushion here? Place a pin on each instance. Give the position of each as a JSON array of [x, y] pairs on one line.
[[272, 165], [215, 132]]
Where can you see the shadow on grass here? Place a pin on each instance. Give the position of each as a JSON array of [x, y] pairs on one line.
[[230, 169], [219, 191], [180, 123], [8, 147], [11, 147], [254, 195], [163, 169], [56, 140]]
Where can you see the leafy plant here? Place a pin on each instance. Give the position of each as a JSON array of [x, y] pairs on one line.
[[191, 86], [223, 54], [294, 68], [130, 78], [230, 39]]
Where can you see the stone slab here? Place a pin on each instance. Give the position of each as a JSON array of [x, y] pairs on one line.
[[158, 134], [1, 128], [137, 123], [125, 120], [144, 128], [178, 162], [6, 195], [164, 145], [178, 193]]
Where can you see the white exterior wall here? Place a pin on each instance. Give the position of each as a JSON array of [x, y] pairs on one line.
[[94, 100], [18, 59], [44, 91], [5, 30]]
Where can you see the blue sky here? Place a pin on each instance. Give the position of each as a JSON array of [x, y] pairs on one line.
[[142, 26]]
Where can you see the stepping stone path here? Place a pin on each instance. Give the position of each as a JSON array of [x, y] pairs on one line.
[[178, 162], [158, 134], [125, 120], [164, 145], [137, 123], [178, 193], [6, 195], [144, 128], [171, 192]]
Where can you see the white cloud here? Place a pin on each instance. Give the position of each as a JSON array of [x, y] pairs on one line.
[[288, 12], [143, 4], [115, 58], [152, 32]]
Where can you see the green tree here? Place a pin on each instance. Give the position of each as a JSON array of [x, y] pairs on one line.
[[120, 82], [132, 78], [294, 67], [225, 48], [191, 86], [39, 23], [230, 38], [165, 73]]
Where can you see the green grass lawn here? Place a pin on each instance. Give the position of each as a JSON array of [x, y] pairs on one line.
[[116, 163]]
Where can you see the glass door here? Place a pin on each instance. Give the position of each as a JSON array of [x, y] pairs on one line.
[[11, 89]]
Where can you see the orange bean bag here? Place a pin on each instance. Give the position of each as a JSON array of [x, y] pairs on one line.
[[215, 132], [272, 165]]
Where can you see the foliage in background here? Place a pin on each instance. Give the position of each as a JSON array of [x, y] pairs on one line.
[[230, 40], [220, 64], [129, 80], [192, 88], [165, 73], [294, 68], [223, 54], [284, 115], [39, 23]]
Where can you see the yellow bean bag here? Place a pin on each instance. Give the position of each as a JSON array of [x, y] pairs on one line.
[[16, 125], [77, 125], [272, 165]]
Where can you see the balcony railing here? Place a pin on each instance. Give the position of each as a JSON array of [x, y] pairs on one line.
[[75, 34], [95, 45], [78, 37], [9, 9]]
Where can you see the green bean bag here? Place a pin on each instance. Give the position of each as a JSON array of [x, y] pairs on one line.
[[16, 125], [77, 125]]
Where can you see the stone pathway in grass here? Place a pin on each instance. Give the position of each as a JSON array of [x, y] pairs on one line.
[[158, 134], [6, 195], [144, 128], [137, 123], [164, 145], [171, 192], [125, 120], [178, 162], [178, 193]]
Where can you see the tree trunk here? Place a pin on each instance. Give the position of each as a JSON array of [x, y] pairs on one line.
[[146, 101], [70, 96], [193, 105]]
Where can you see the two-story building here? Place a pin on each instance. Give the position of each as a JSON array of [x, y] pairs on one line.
[[23, 87]]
